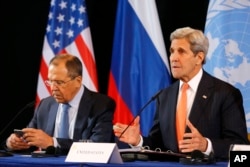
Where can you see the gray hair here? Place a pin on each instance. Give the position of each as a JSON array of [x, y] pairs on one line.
[[198, 41]]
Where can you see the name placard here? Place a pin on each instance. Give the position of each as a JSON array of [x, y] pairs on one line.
[[94, 153]]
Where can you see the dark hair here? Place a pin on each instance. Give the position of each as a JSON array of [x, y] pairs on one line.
[[72, 63]]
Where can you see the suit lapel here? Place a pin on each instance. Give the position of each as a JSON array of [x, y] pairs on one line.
[[83, 113], [201, 98], [52, 117], [169, 112]]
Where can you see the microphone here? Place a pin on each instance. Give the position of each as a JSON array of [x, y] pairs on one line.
[[198, 158], [4, 130], [50, 151], [29, 105], [140, 111]]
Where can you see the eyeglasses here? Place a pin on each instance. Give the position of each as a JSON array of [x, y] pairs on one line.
[[58, 83]]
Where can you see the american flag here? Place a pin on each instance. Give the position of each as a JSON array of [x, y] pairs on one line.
[[67, 32]]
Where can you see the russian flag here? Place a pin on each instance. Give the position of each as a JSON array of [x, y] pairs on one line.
[[139, 67]]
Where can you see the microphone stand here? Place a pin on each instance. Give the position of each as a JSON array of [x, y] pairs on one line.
[[4, 153], [140, 111], [19, 112]]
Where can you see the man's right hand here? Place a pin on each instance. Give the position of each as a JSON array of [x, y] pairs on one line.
[[15, 142], [132, 133]]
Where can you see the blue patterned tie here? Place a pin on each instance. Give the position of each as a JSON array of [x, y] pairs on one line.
[[64, 122]]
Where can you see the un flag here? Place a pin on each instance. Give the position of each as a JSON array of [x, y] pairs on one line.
[[228, 30]]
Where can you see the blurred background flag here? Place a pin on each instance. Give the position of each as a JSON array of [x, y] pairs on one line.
[[139, 66], [68, 32], [228, 30]]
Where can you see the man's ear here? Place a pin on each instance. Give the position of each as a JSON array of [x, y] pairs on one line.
[[200, 58], [79, 79]]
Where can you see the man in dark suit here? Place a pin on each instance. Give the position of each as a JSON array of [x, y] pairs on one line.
[[215, 115], [89, 116]]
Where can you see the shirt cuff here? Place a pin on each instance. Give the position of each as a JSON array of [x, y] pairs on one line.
[[209, 147], [55, 142], [140, 143]]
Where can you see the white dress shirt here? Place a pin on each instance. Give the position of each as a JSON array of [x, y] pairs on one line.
[[191, 92], [74, 104]]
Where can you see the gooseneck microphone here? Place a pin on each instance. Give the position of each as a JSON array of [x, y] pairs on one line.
[[140, 111], [50, 151], [4, 153], [27, 106]]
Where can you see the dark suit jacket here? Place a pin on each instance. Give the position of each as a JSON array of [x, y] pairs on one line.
[[94, 119], [217, 112]]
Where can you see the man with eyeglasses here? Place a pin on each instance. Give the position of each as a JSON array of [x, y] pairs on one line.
[[90, 113]]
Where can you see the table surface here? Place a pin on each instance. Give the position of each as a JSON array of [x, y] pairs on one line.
[[27, 160]]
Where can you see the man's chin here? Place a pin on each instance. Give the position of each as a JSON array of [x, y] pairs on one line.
[[59, 100], [176, 76]]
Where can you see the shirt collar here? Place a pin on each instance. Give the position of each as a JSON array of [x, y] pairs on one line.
[[76, 100], [194, 82]]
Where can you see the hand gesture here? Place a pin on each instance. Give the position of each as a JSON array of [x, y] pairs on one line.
[[131, 135], [193, 141]]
